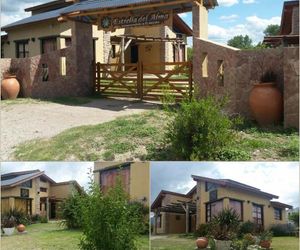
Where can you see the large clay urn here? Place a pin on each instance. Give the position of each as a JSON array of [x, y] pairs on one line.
[[21, 228], [265, 244], [266, 103], [10, 87], [202, 242]]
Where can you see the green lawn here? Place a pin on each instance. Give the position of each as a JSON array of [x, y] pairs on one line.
[[141, 136], [51, 236], [43, 236], [179, 242]]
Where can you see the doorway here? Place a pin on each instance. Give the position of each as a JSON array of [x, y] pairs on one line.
[[134, 53], [53, 210]]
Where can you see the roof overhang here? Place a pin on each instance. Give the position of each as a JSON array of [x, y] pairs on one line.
[[277, 204], [281, 40], [90, 12]]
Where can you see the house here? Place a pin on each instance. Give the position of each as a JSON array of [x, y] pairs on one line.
[[182, 213], [34, 193], [133, 175], [42, 33], [289, 27]]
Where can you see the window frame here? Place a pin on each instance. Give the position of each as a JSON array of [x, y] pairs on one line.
[[280, 213], [22, 190], [26, 184], [255, 219], [23, 44]]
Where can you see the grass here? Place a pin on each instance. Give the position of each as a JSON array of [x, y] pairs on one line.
[[51, 236], [61, 100], [141, 137], [43, 236], [179, 242], [127, 137]]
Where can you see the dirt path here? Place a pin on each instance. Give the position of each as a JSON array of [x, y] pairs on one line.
[[23, 122]]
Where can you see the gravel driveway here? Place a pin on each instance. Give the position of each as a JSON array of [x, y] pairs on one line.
[[23, 122]]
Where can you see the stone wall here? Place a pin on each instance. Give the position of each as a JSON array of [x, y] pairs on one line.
[[291, 87], [242, 68], [76, 81]]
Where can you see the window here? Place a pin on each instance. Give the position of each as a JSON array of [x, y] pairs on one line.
[[27, 184], [210, 186], [213, 195], [108, 178], [42, 179], [42, 189], [212, 209], [24, 193], [22, 49], [277, 214], [48, 45], [204, 65], [220, 73], [257, 214], [237, 206], [158, 221], [113, 51], [68, 41]]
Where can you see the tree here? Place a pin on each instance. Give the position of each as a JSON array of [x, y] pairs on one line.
[[294, 217], [272, 30], [190, 54], [241, 42]]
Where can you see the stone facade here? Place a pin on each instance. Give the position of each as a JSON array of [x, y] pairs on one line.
[[76, 81], [241, 69], [291, 87]]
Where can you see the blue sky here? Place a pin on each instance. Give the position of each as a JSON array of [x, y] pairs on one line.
[[279, 178], [230, 18]]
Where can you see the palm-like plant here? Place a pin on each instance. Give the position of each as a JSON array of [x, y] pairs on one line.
[[225, 224]]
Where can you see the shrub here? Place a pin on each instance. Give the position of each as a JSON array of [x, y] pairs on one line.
[[43, 219], [203, 230], [70, 212], [282, 229], [225, 224], [294, 217], [231, 154], [199, 130], [35, 218], [109, 221], [247, 227], [19, 216], [143, 213]]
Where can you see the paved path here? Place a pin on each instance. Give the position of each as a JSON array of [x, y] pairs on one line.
[[23, 122]]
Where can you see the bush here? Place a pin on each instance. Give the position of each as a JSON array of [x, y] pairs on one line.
[[294, 217], [43, 219], [19, 216], [228, 154], [282, 229], [203, 230], [70, 212], [199, 130], [247, 227], [225, 224], [35, 218], [109, 221]]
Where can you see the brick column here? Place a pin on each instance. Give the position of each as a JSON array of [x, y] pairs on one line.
[[82, 43]]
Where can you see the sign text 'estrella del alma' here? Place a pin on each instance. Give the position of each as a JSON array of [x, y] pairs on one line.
[[139, 20]]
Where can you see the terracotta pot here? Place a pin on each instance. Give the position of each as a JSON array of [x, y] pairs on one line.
[[10, 87], [202, 242], [265, 244], [266, 104], [21, 228]]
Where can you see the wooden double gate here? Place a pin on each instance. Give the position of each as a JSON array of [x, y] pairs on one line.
[[144, 81]]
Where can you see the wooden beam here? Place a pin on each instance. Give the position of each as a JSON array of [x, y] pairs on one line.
[[127, 8]]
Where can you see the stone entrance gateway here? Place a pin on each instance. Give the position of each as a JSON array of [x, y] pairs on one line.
[[135, 78]]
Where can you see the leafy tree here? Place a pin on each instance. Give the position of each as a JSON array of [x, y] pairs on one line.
[[109, 221], [190, 53], [294, 217], [241, 42], [272, 30]]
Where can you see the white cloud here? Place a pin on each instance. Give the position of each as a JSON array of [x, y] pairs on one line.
[[253, 27], [227, 3], [249, 1], [229, 18], [278, 178], [183, 15]]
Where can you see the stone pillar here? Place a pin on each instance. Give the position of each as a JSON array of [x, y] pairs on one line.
[[106, 46], [200, 21], [198, 205], [155, 223], [82, 44], [37, 198], [48, 208], [11, 202], [187, 217]]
